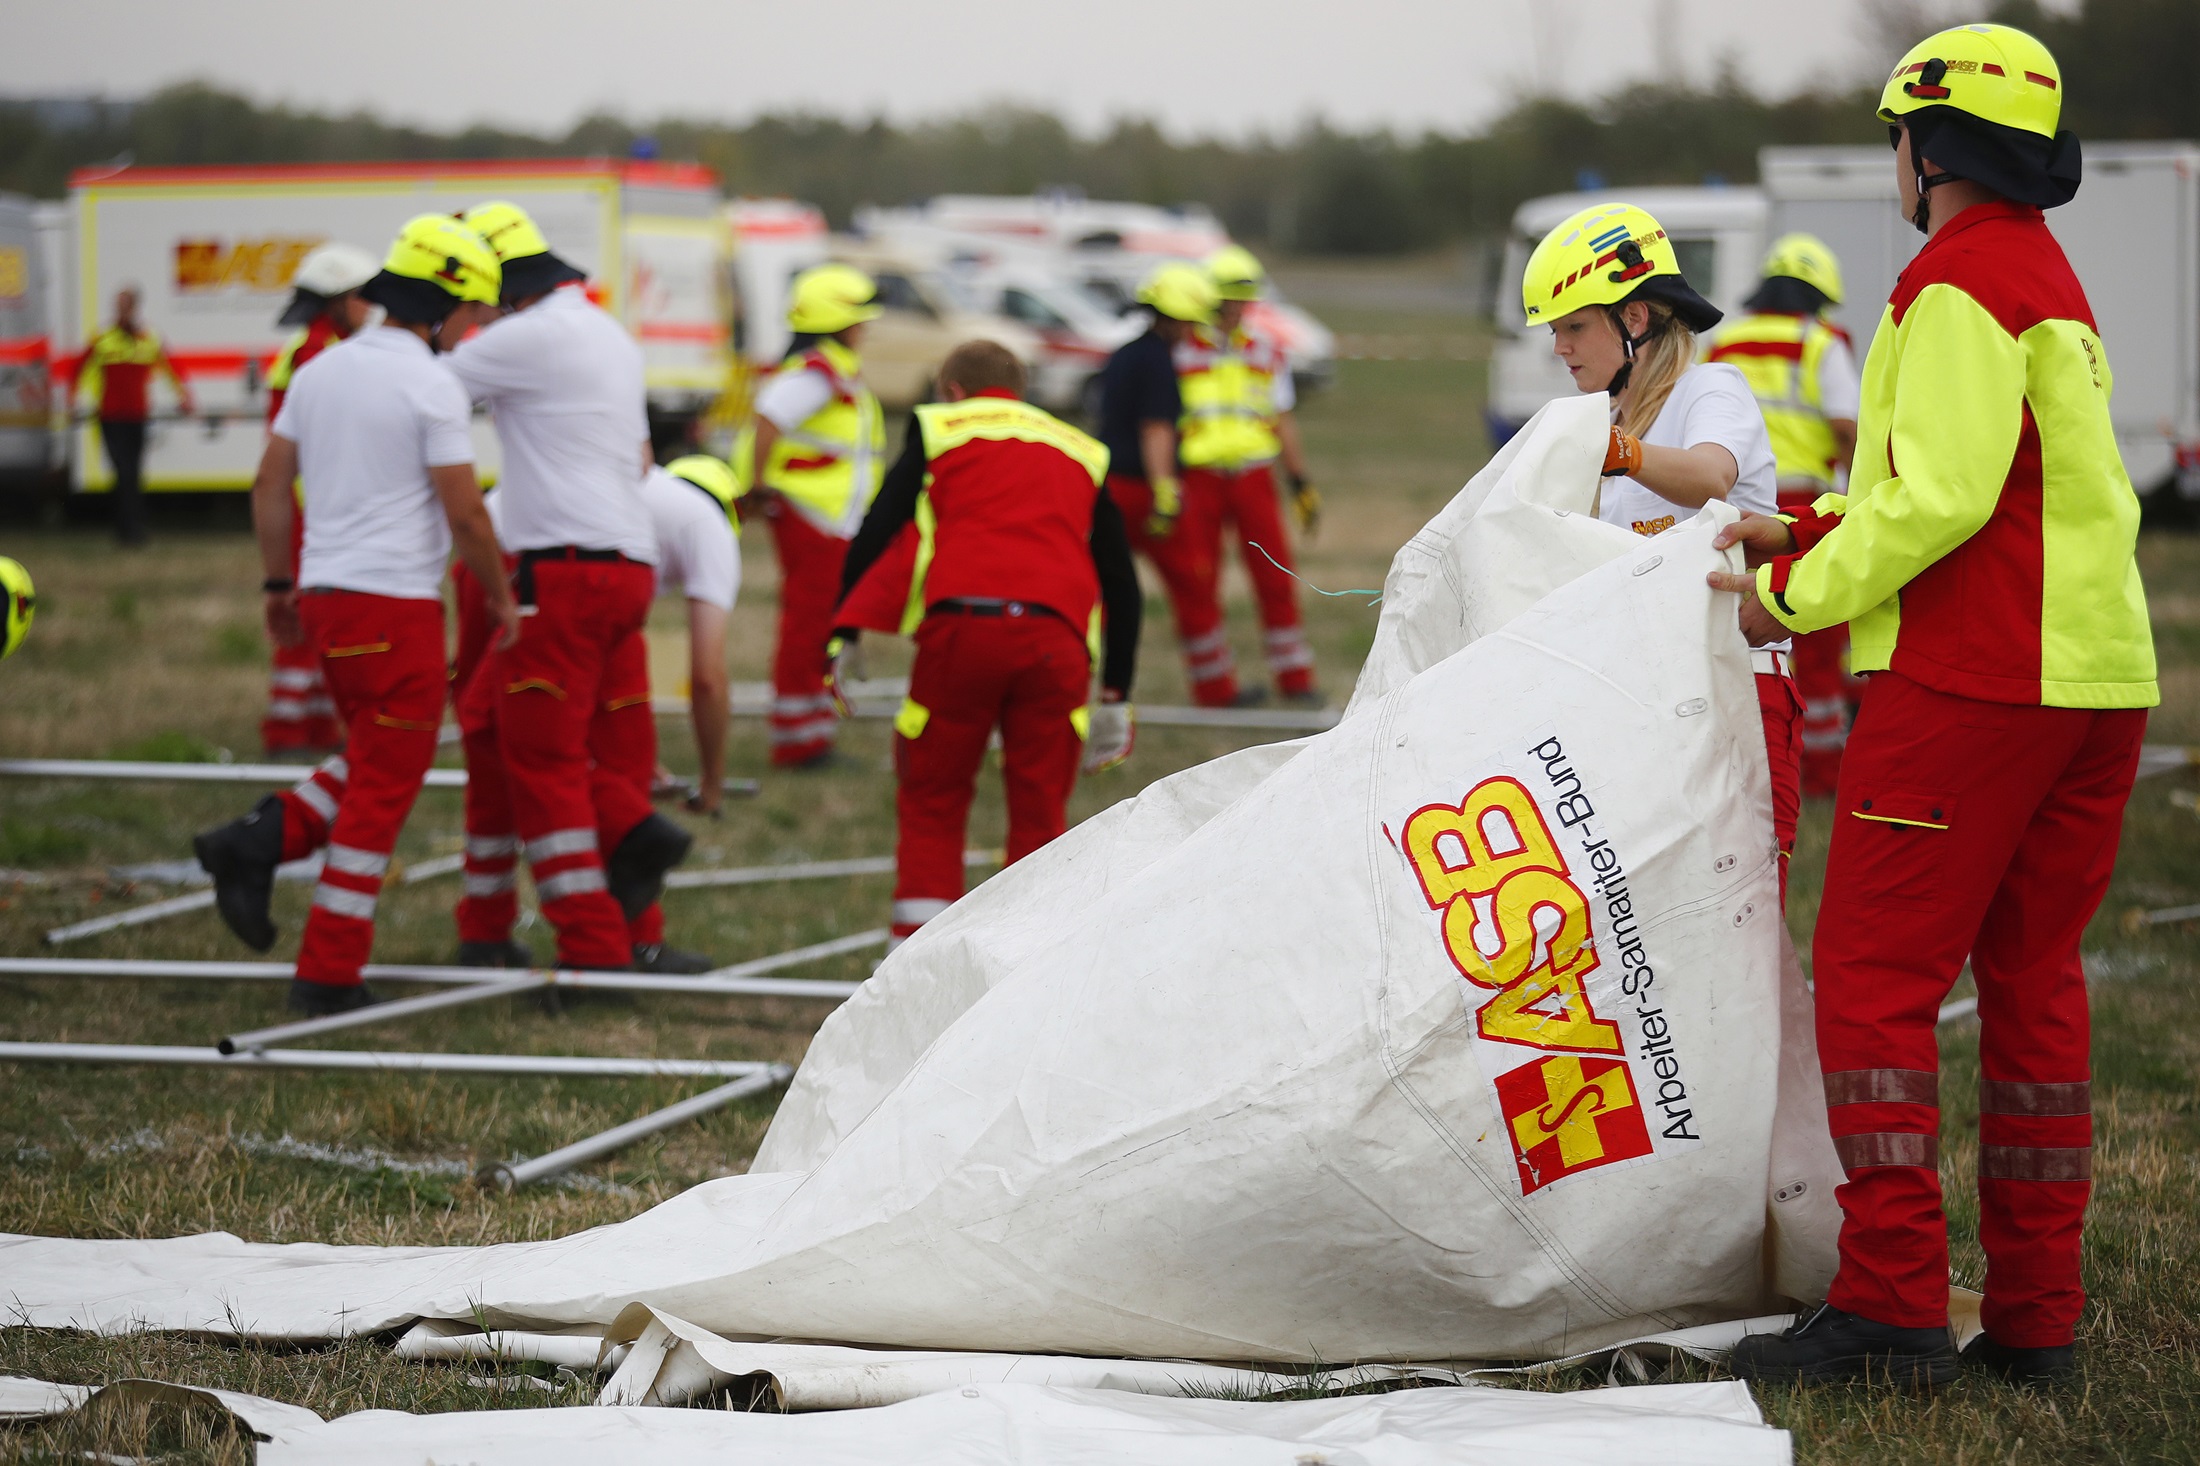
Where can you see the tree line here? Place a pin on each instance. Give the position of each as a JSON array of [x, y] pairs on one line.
[[1320, 190]]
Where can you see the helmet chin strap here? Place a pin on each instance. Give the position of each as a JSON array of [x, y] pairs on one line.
[[1628, 343], [1922, 215]]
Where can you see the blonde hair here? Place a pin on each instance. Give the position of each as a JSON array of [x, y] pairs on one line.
[[1659, 363]]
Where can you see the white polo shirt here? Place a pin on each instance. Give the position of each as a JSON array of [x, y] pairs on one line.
[[696, 551], [563, 381], [1711, 403], [371, 416]]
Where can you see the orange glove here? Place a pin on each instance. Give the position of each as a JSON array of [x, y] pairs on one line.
[[1624, 456]]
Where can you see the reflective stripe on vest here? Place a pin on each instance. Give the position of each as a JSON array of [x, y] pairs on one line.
[[1228, 387], [1781, 355], [830, 467]]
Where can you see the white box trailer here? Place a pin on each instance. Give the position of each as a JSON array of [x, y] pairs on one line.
[[2132, 235], [25, 398], [212, 251]]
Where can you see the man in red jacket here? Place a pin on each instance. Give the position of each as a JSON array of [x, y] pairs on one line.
[[1020, 548]]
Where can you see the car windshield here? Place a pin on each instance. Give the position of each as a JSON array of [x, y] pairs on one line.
[[1108, 295], [1022, 305]]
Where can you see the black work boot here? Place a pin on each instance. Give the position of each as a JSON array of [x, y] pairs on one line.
[[636, 870], [321, 999], [507, 953], [2022, 1366], [241, 856], [671, 961], [1833, 1345]]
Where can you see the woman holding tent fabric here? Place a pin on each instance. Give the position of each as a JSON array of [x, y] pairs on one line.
[[1684, 432]]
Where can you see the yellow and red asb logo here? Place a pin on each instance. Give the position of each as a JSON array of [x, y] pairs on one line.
[[1567, 1114], [265, 265]]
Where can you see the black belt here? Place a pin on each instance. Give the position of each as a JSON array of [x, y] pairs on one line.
[[523, 580], [1009, 609]]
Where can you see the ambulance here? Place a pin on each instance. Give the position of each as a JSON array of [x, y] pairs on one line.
[[211, 252]]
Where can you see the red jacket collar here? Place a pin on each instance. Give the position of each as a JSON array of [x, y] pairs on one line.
[[1986, 213], [996, 392]]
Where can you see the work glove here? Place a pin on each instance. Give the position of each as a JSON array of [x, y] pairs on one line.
[[1109, 736], [846, 669], [1168, 504], [1306, 504], [1623, 456]]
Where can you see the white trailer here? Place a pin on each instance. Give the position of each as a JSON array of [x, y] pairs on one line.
[[2132, 235], [212, 251], [25, 399]]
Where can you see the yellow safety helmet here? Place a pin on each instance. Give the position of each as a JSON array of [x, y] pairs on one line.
[[22, 600], [1805, 257], [1985, 103], [1609, 254], [1995, 73], [507, 229], [1237, 274], [529, 266], [830, 298], [442, 251], [714, 476], [1181, 292]]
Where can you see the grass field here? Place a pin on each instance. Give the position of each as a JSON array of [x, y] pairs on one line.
[[158, 655]]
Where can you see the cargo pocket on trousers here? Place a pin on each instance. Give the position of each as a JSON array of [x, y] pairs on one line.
[[1893, 846]]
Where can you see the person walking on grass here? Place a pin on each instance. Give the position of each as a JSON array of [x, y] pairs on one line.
[[378, 432], [1984, 561], [116, 379]]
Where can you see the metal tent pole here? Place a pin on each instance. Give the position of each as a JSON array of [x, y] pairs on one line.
[[742, 979], [261, 1038], [205, 773], [511, 1174], [568, 1065], [808, 870]]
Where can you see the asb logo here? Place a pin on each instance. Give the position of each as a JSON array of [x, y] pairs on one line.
[[1568, 1114], [264, 265]]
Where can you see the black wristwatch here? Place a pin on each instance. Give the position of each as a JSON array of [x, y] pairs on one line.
[[276, 585]]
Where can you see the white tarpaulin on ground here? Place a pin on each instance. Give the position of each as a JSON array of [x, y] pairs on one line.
[[1453, 1032], [1028, 1425]]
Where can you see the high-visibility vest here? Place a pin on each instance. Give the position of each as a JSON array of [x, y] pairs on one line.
[[830, 468], [309, 341], [116, 371], [1781, 356], [1228, 387]]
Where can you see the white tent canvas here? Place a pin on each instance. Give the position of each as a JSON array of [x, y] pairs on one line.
[[1454, 1032]]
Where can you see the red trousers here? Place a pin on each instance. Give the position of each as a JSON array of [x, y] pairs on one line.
[[1782, 713], [1829, 693], [1822, 677], [1188, 559], [622, 739], [802, 719], [1988, 831], [383, 659], [1026, 675], [1250, 501], [300, 714], [540, 710]]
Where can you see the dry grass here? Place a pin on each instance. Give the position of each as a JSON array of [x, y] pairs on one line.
[[156, 653]]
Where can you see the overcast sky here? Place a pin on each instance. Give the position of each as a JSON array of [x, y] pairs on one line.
[[1200, 66]]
